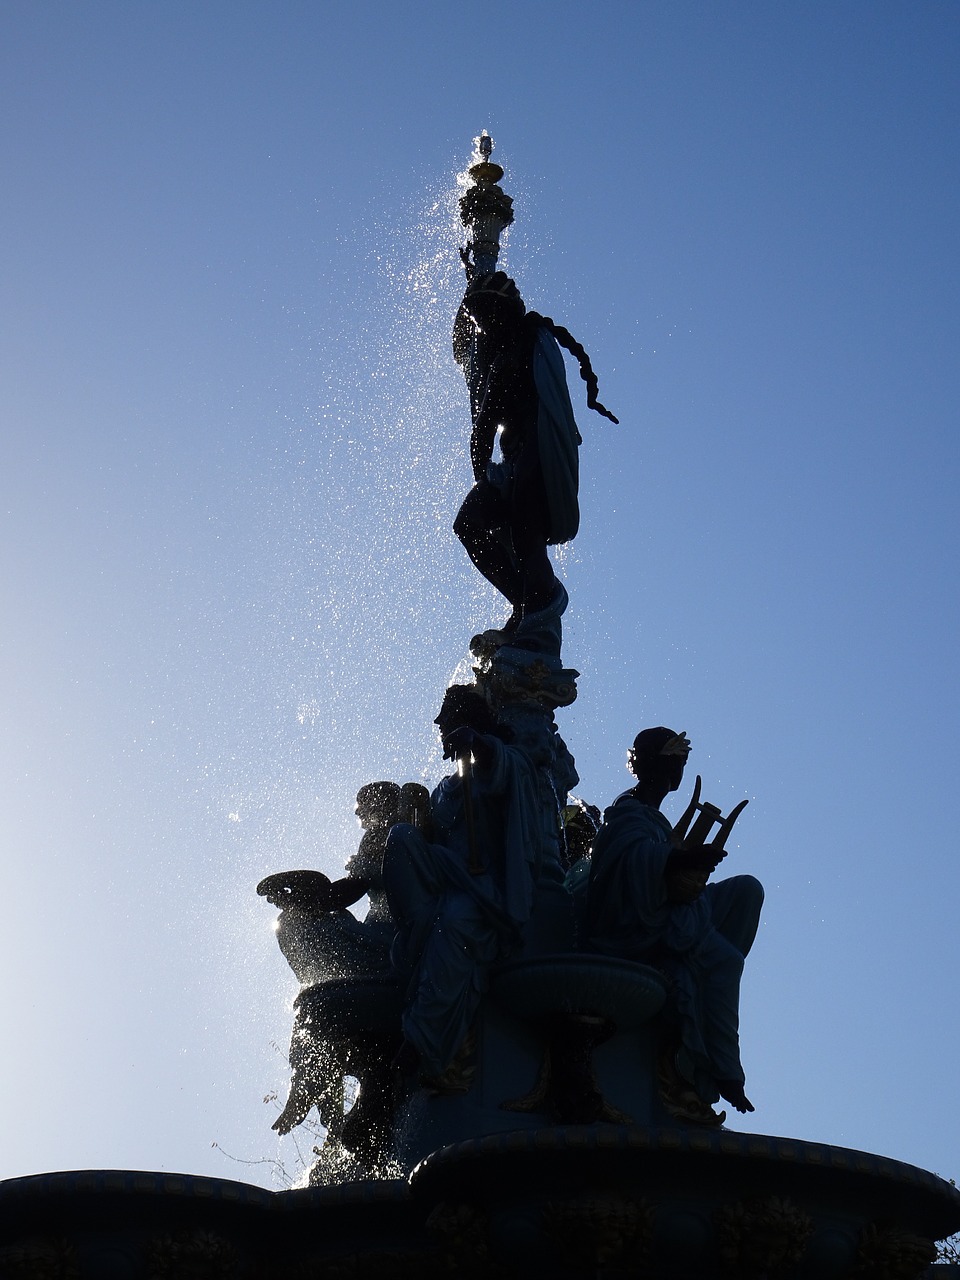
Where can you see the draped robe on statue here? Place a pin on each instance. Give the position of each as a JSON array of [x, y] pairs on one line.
[[700, 945], [454, 924]]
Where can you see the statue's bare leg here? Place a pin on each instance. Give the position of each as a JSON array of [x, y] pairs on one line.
[[481, 514]]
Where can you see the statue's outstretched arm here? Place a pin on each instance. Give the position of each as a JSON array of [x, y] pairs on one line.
[[483, 437]]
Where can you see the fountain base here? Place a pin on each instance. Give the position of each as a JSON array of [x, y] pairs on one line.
[[574, 1201]]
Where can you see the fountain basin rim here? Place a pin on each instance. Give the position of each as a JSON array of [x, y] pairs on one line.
[[615, 1155]]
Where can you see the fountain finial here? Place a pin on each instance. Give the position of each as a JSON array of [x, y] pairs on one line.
[[485, 210]]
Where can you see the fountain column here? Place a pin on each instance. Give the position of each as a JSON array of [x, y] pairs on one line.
[[485, 210]]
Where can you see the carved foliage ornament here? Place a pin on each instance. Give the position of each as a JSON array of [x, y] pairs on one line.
[[39, 1260], [886, 1253], [761, 1237], [463, 1234], [601, 1231], [199, 1255]]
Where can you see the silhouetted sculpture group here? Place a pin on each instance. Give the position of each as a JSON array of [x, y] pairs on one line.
[[501, 864]]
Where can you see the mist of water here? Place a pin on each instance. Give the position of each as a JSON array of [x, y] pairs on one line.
[[360, 607]]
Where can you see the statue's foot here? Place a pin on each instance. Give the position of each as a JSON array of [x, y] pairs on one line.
[[511, 624], [540, 628], [732, 1092], [487, 643], [296, 1110], [458, 1076], [524, 621], [678, 1096], [688, 1106]]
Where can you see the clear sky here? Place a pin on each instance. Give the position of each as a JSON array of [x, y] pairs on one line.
[[234, 441]]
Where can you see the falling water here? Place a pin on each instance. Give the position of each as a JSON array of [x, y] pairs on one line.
[[365, 606]]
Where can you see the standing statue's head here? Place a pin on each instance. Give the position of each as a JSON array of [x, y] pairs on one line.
[[658, 756], [492, 306], [493, 316]]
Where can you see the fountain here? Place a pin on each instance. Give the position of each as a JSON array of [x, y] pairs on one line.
[[540, 1009]]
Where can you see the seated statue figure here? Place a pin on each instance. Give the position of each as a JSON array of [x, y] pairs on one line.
[[323, 942], [319, 937], [461, 900], [649, 900]]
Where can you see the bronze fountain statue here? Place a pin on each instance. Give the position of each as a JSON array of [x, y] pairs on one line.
[[542, 1006], [477, 891], [539, 1010]]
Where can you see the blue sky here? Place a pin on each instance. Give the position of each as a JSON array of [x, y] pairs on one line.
[[234, 443]]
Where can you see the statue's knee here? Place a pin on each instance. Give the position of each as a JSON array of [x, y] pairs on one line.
[[751, 891], [398, 835], [724, 957], [396, 856], [462, 527]]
